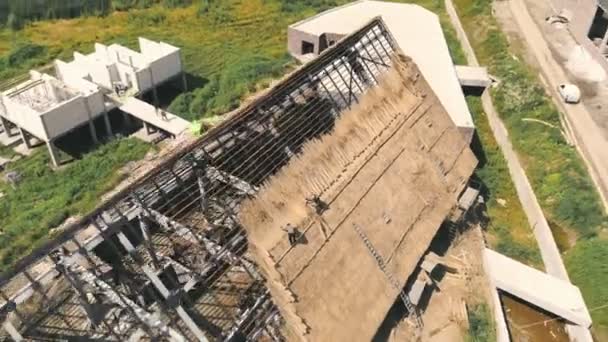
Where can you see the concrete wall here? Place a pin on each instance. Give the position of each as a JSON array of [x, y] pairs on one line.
[[65, 116], [144, 80], [583, 12], [25, 117], [100, 74], [127, 74], [295, 38], [166, 67]]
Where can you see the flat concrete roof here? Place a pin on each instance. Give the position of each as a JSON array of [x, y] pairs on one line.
[[541, 289], [148, 113], [418, 33]]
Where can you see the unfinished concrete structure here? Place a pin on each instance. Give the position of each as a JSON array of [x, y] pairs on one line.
[[167, 257], [48, 107], [415, 29], [588, 23]]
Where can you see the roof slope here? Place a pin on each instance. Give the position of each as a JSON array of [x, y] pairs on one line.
[[418, 33], [394, 166]]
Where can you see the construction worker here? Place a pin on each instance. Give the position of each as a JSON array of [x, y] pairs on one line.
[[317, 204], [292, 233]]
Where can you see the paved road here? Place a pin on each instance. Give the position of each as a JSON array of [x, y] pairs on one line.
[[548, 248]]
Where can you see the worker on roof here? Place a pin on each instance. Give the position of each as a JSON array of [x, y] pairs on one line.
[[317, 204], [292, 233]]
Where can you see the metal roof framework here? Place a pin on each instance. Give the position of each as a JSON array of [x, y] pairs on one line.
[[167, 257]]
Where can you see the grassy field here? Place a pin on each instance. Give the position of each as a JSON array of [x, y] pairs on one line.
[[221, 55], [508, 232], [45, 198], [556, 171]]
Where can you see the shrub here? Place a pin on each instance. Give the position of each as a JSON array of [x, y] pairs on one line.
[[481, 324]]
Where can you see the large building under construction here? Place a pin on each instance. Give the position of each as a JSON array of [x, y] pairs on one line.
[[195, 251]]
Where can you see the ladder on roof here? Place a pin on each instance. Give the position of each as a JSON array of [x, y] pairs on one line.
[[404, 297]]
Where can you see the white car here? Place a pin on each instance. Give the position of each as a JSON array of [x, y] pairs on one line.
[[569, 93]]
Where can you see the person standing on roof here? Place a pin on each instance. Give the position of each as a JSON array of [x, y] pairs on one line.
[[292, 233]]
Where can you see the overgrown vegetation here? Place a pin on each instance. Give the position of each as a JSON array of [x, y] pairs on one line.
[[23, 56], [481, 324], [15, 14], [554, 168], [587, 267], [556, 171], [509, 231], [223, 92], [45, 198]]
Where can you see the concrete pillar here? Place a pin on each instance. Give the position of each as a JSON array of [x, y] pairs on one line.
[[106, 120], [93, 132], [53, 153], [25, 137], [603, 47], [127, 119], [154, 91], [91, 122], [146, 127], [184, 82]]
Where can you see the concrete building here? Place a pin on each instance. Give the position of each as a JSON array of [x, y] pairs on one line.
[[86, 88], [588, 23], [46, 108], [116, 67], [415, 29]]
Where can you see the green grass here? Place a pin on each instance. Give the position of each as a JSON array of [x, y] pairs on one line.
[[508, 232], [45, 198], [481, 324], [555, 170], [587, 267]]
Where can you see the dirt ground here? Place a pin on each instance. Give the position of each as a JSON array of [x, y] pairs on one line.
[[393, 168], [562, 43], [445, 312]]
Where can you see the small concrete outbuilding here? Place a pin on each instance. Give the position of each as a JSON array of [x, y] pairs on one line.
[[415, 29], [47, 107]]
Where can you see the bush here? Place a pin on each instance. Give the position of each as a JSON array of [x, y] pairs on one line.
[[24, 56], [481, 324], [23, 53]]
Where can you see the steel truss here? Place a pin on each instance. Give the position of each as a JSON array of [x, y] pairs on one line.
[[167, 258]]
